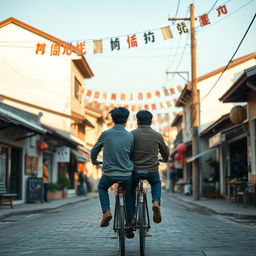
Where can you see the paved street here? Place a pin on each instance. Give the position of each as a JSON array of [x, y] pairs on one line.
[[186, 230]]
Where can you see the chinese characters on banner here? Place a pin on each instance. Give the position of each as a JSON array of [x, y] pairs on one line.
[[62, 48], [58, 49], [204, 19]]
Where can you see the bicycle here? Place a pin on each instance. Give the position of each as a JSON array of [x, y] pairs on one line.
[[142, 213]]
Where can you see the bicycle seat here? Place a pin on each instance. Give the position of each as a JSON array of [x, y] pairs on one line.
[[120, 182], [142, 174]]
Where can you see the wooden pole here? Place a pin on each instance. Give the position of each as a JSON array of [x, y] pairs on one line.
[[195, 170], [194, 114]]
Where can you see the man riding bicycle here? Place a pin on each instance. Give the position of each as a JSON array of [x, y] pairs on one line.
[[147, 145], [117, 144]]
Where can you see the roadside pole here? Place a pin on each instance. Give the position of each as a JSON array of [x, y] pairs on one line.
[[194, 115]]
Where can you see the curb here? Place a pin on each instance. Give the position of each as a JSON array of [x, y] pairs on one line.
[[44, 209], [237, 216]]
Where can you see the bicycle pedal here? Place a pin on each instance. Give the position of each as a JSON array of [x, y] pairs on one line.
[[148, 235], [114, 237]]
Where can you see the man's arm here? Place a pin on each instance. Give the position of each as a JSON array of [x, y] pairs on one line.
[[96, 149], [132, 148], [163, 149]]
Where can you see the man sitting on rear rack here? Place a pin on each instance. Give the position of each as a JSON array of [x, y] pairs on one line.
[[147, 145]]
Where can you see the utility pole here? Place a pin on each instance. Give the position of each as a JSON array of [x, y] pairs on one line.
[[194, 116]]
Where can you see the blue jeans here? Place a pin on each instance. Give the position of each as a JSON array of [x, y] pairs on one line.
[[105, 183], [155, 183]]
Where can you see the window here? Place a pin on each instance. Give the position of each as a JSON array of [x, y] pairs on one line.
[[77, 90]]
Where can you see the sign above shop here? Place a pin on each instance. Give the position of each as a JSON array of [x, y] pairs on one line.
[[63, 155], [216, 139]]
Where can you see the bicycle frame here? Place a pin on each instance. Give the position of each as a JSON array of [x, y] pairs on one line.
[[120, 202], [142, 198], [120, 218]]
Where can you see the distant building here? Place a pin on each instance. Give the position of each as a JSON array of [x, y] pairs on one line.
[[36, 80]]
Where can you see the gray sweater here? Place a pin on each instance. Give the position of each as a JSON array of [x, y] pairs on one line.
[[117, 144]]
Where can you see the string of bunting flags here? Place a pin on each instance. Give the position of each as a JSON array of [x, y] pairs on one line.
[[131, 41], [151, 100], [160, 102]]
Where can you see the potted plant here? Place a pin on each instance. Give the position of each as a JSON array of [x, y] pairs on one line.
[[54, 191], [64, 184]]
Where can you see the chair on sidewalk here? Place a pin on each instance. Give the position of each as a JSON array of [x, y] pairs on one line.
[[4, 196], [241, 195]]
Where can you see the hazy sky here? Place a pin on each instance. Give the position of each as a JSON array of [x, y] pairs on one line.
[[141, 69]]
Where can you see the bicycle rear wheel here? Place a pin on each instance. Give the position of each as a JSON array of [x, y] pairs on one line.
[[142, 226], [121, 230]]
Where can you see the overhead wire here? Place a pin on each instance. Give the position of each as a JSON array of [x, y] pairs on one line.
[[230, 61], [177, 9]]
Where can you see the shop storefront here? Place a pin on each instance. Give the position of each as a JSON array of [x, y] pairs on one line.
[[19, 131], [244, 90]]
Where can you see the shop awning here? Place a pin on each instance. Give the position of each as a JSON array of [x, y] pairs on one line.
[[242, 87], [192, 158], [61, 135], [10, 117], [80, 157]]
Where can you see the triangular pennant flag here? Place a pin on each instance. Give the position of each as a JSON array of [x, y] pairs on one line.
[[89, 93], [97, 46], [166, 93], [113, 96], [172, 91], [169, 104], [140, 96], [157, 93], [179, 87], [96, 95], [167, 33], [153, 106], [123, 96], [104, 95], [133, 107]]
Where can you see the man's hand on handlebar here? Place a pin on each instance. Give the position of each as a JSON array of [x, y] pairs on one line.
[[163, 161], [96, 162]]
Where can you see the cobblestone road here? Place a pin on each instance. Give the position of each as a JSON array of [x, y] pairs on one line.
[[74, 230]]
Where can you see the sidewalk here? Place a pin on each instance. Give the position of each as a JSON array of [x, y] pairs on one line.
[[219, 206], [29, 208]]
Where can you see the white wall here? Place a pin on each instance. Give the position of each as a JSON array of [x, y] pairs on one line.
[[211, 108], [42, 80]]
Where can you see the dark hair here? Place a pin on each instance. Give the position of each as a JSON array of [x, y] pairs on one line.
[[119, 115], [144, 117]]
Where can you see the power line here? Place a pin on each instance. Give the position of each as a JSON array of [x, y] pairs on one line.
[[230, 60], [177, 9], [213, 6], [183, 51]]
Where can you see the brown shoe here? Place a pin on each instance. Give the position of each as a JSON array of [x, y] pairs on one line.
[[107, 216], [133, 221], [157, 214]]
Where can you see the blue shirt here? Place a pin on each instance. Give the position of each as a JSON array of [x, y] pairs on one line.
[[117, 144]]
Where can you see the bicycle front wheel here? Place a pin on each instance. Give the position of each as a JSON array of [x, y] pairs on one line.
[[142, 226], [121, 230]]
